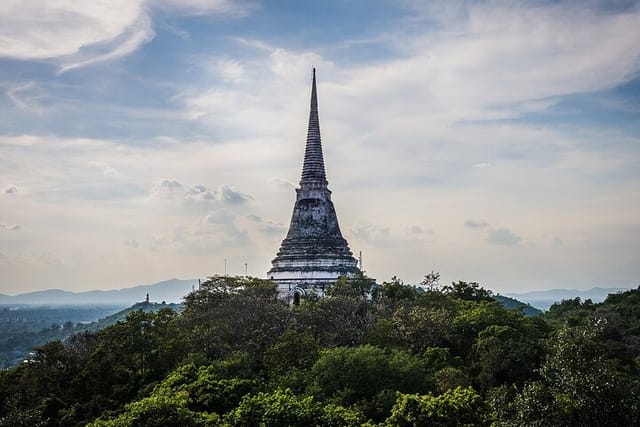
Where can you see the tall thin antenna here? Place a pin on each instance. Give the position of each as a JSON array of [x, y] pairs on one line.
[[360, 261], [225, 267], [245, 269]]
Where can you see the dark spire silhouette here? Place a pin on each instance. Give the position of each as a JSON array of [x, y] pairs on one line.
[[313, 174]]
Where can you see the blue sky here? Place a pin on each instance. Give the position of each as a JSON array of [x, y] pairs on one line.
[[496, 142]]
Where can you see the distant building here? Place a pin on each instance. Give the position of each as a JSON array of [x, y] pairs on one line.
[[314, 253]]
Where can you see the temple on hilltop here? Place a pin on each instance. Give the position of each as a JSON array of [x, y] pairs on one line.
[[314, 254]]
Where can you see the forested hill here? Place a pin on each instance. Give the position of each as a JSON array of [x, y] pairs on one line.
[[236, 356], [514, 304], [148, 307], [22, 329]]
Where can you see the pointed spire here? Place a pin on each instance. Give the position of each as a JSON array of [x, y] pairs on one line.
[[313, 174]]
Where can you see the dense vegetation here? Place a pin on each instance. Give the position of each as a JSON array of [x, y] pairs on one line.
[[394, 355]]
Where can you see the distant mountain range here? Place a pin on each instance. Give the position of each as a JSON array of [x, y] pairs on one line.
[[545, 299], [170, 291]]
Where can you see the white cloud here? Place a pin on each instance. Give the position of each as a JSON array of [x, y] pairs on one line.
[[79, 33], [173, 190], [9, 227], [502, 236], [34, 29], [229, 70], [26, 97], [107, 170], [256, 97], [283, 183], [201, 7], [501, 60], [371, 233], [170, 189], [273, 228], [219, 217], [475, 224], [418, 229], [131, 38], [231, 195], [418, 233], [254, 218]]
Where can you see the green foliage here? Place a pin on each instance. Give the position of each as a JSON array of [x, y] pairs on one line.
[[579, 385], [404, 356], [17, 416], [382, 334], [438, 358], [294, 349], [468, 291], [431, 281], [504, 355], [231, 313], [457, 407], [337, 321], [449, 378], [206, 388], [357, 287], [475, 316], [288, 359], [396, 290], [419, 328], [351, 374], [283, 408], [159, 410], [365, 375], [571, 312]]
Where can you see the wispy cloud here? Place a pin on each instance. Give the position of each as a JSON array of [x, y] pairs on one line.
[[371, 232], [231, 195], [502, 236], [501, 60], [174, 190], [9, 227], [235, 8], [131, 38], [24, 97], [475, 224], [77, 33]]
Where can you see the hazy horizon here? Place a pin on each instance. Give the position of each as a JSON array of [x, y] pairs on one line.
[[137, 285], [496, 142]]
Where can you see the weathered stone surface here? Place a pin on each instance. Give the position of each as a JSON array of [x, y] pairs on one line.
[[314, 253]]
